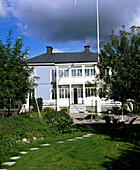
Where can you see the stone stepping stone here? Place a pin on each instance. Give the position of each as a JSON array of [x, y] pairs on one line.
[[90, 134], [79, 138], [23, 153], [71, 139], [86, 136], [9, 163], [34, 138], [45, 144], [32, 149], [60, 142], [25, 140], [15, 158], [3, 169]]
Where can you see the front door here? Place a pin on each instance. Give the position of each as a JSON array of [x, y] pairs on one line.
[[75, 96]]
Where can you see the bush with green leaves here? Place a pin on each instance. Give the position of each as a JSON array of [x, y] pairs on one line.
[[60, 122], [14, 129]]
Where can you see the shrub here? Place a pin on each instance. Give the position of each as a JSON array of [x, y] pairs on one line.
[[60, 122], [48, 110], [14, 129]]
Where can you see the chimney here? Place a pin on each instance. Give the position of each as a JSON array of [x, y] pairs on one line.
[[49, 50], [87, 47]]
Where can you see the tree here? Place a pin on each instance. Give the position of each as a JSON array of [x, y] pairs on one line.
[[119, 66], [14, 72]]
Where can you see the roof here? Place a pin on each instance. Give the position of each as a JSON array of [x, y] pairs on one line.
[[64, 58]]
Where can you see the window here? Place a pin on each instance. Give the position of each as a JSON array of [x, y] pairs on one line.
[[86, 72], [60, 73], [80, 93], [54, 94], [63, 93], [66, 93], [64, 73], [93, 72], [90, 91], [73, 72], [89, 71], [76, 72], [60, 94], [53, 75], [79, 72]]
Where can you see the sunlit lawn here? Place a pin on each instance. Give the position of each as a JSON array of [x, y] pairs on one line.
[[96, 152]]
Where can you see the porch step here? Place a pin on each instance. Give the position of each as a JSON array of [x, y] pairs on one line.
[[77, 108]]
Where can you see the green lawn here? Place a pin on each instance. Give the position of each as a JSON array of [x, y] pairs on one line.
[[96, 152], [108, 148]]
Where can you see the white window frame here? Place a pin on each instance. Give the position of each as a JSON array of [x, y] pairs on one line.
[[90, 71], [55, 94], [63, 72], [53, 78], [80, 92], [75, 72], [91, 90], [63, 93]]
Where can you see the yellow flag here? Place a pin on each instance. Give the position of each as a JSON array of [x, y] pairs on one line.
[[75, 2]]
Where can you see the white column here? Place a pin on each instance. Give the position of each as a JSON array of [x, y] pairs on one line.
[[35, 82], [98, 105], [70, 94], [70, 86], [57, 89], [83, 76]]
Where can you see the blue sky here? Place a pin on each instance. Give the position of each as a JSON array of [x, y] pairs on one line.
[[59, 24]]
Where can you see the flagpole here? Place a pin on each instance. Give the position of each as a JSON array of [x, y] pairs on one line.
[[98, 42]]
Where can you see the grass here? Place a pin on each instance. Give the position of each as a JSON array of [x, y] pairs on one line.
[[14, 129], [104, 150], [96, 152]]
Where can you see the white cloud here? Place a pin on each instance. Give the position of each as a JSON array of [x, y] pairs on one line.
[[136, 19], [3, 9], [55, 50], [58, 21], [6, 6], [23, 29]]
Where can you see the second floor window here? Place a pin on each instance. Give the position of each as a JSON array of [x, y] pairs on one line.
[[53, 75], [76, 72], [90, 72], [63, 73]]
